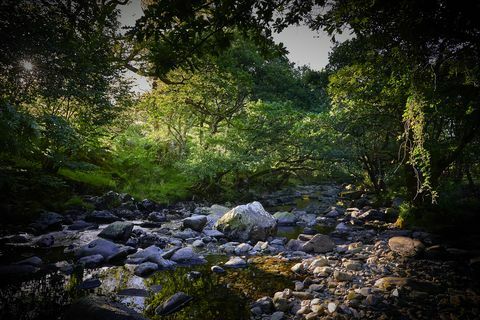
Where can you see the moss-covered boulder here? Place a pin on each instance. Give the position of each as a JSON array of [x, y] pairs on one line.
[[247, 222]]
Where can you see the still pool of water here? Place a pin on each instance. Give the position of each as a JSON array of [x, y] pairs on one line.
[[216, 296], [292, 232]]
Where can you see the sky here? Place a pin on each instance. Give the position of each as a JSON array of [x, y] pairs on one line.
[[306, 47]]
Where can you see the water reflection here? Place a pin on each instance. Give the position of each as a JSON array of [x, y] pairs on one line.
[[292, 232], [220, 296], [216, 296]]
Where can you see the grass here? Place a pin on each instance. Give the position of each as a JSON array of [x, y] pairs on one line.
[[96, 178], [164, 185], [77, 201]]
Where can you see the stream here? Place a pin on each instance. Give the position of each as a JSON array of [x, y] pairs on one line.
[[360, 250]]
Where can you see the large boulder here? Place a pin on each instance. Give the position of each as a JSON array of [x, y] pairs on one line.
[[406, 246], [247, 222], [213, 213], [119, 230], [320, 243]]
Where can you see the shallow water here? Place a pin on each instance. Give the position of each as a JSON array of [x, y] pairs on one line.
[[216, 296], [292, 232]]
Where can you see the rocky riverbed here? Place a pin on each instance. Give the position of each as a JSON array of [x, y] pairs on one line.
[[315, 252]]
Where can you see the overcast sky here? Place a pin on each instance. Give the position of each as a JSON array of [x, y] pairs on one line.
[[305, 47]]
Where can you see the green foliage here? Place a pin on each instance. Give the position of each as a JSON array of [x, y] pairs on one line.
[[95, 178], [78, 202], [143, 167]]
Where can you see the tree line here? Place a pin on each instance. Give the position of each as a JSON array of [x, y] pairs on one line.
[[396, 110]]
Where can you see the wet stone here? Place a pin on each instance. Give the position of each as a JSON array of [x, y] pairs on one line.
[[93, 307], [187, 256], [175, 303], [217, 269], [90, 284], [133, 292]]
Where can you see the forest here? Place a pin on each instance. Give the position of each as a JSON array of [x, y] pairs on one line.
[[391, 123]]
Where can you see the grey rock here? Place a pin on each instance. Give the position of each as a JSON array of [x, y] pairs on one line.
[[319, 244], [196, 223], [331, 307], [294, 245], [213, 233], [33, 261], [147, 205], [96, 308], [48, 221], [119, 230], [102, 216], [243, 249], [98, 246], [187, 256], [372, 214], [173, 304], [92, 261], [156, 216], [186, 234], [145, 269], [82, 225], [285, 218], [45, 241], [119, 256], [133, 292], [265, 304], [406, 246], [198, 243], [278, 315], [282, 301], [151, 254], [247, 222], [387, 283], [342, 276], [334, 213], [353, 265], [90, 284], [235, 262]]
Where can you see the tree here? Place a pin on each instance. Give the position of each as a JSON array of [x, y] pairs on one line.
[[435, 42], [59, 64]]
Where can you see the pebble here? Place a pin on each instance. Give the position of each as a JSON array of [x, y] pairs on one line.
[[217, 269], [331, 307]]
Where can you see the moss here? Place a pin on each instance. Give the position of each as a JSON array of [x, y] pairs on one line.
[[77, 201], [95, 178]]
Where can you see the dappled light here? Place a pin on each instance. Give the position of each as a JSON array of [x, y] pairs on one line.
[[194, 160]]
